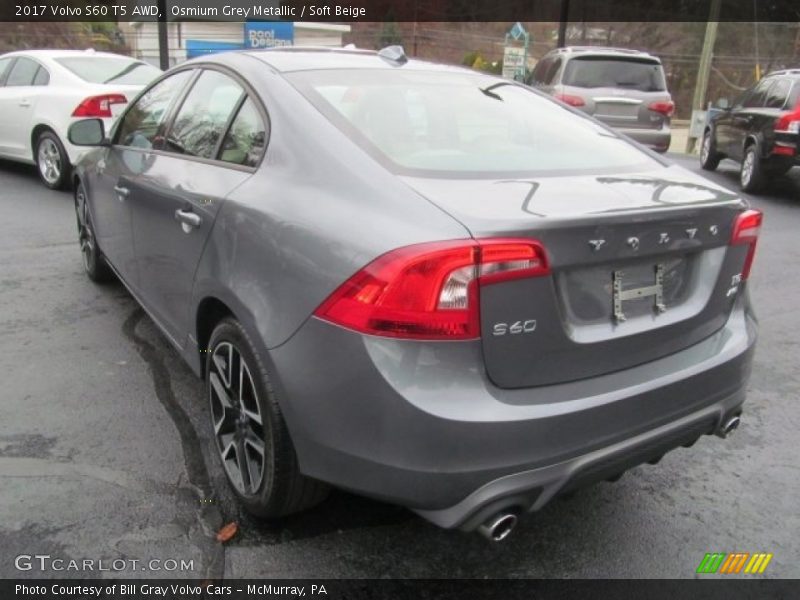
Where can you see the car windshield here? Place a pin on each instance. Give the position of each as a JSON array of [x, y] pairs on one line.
[[628, 73], [107, 69], [434, 123]]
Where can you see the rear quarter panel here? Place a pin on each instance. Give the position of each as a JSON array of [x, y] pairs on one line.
[[316, 211]]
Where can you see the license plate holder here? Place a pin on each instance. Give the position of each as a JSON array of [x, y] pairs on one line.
[[620, 294]]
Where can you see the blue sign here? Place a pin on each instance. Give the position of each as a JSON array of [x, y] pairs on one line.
[[196, 48], [268, 34], [517, 31]]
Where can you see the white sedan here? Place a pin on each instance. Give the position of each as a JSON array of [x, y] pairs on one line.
[[43, 91]]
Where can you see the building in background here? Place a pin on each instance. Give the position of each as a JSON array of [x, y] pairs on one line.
[[189, 39]]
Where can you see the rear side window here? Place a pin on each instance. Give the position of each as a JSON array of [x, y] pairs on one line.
[[110, 69], [778, 93], [538, 77], [23, 72], [550, 76], [205, 113], [42, 77], [5, 63], [758, 96], [545, 71], [141, 123], [246, 139], [622, 72], [794, 96]]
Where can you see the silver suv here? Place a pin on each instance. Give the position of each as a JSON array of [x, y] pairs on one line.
[[625, 89]]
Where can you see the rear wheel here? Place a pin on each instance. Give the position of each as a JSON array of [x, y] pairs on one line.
[[709, 157], [52, 161], [94, 263], [751, 175], [251, 437]]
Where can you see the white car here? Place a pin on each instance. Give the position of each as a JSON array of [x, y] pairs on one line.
[[42, 92]]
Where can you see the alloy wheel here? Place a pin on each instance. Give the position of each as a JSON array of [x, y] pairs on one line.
[[49, 161], [747, 167], [237, 419], [705, 149], [85, 234]]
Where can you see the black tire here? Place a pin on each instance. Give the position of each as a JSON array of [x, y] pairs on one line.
[[272, 486], [751, 174], [709, 157], [52, 161], [94, 263]]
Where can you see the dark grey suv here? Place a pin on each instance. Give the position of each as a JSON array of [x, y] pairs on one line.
[[417, 282], [625, 89]]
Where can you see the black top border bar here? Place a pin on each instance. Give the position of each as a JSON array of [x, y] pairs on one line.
[[344, 11]]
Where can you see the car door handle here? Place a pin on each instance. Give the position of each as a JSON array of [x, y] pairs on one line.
[[122, 192], [188, 219], [25, 103]]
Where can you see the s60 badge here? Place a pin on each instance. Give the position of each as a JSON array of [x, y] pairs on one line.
[[515, 328]]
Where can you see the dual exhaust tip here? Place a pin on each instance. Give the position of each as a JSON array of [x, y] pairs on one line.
[[498, 527], [729, 426]]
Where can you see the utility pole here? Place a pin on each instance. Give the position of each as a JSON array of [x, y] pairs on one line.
[[562, 24], [704, 69], [414, 52], [755, 31], [163, 39]]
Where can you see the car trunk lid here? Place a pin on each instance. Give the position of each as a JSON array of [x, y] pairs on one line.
[[641, 268], [628, 110]]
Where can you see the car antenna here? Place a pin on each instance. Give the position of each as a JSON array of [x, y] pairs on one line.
[[394, 55]]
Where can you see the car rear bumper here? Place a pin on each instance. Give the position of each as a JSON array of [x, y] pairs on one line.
[[656, 139], [420, 425], [528, 491]]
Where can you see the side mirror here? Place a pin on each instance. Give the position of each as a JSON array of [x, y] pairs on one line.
[[723, 103], [88, 132]]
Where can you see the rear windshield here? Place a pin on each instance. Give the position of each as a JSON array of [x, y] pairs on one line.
[[438, 123], [627, 73], [107, 69]]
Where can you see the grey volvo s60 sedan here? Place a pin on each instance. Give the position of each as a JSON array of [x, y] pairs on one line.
[[418, 282]]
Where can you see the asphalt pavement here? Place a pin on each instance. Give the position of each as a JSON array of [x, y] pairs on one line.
[[105, 450]]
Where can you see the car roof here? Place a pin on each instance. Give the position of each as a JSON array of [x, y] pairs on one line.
[[61, 53], [307, 58], [603, 51], [784, 72]]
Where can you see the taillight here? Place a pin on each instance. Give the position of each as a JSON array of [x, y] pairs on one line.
[[98, 106], [788, 122], [430, 291], [780, 149], [745, 231], [666, 107], [570, 99]]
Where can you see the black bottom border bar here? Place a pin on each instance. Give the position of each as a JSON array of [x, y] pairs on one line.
[[356, 589]]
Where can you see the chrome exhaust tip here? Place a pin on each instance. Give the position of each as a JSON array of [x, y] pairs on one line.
[[499, 527], [729, 426]]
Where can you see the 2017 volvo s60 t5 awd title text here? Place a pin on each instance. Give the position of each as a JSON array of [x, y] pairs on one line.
[[418, 282]]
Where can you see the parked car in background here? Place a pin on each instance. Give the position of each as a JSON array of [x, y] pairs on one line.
[[418, 282], [626, 89], [761, 130], [43, 91]]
